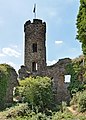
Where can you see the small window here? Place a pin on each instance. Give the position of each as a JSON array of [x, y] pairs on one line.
[[34, 47], [34, 66], [67, 78]]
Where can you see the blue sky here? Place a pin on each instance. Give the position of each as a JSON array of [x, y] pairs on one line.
[[60, 17]]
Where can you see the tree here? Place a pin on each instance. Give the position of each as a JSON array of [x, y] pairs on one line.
[[36, 91], [81, 25]]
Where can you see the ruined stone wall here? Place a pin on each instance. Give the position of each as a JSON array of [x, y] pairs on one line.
[[57, 73], [8, 80], [12, 82]]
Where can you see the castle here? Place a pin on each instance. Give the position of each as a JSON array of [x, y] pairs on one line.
[[35, 59]]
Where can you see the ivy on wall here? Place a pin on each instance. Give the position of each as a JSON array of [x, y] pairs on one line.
[[76, 69], [4, 78]]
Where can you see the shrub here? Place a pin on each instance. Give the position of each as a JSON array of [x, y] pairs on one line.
[[37, 92], [82, 102], [18, 110]]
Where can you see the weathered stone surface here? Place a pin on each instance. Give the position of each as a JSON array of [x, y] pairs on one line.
[[35, 32], [58, 72], [23, 72], [12, 82], [8, 77]]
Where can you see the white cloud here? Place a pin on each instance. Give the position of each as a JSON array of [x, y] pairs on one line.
[[15, 66], [58, 42], [2, 55], [11, 64], [51, 62], [10, 52]]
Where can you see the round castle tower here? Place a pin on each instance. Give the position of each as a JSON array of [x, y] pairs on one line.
[[35, 47]]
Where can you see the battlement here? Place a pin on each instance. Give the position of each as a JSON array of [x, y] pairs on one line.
[[36, 22]]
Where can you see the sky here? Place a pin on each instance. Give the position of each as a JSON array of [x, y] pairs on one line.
[[60, 17]]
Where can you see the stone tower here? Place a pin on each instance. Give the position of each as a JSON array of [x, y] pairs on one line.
[[35, 46]]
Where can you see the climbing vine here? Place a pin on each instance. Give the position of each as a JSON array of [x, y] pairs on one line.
[[4, 78], [76, 69]]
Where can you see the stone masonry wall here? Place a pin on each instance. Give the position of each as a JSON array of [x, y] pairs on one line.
[[35, 33], [57, 73], [8, 80], [12, 82]]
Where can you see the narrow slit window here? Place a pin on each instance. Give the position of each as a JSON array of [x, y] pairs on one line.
[[34, 66], [34, 47]]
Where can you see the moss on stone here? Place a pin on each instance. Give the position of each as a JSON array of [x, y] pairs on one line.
[[4, 78]]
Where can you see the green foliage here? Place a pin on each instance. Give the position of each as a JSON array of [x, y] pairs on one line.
[[75, 99], [38, 116], [55, 116], [18, 110], [77, 70], [81, 25], [82, 102], [36, 91], [4, 78], [15, 111], [75, 84], [22, 112], [79, 101], [63, 116]]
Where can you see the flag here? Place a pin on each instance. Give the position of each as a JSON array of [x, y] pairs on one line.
[[34, 10]]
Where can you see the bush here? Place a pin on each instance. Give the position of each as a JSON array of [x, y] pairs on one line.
[[82, 102], [18, 110], [37, 92]]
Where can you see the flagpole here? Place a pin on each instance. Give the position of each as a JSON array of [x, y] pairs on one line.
[[35, 15]]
